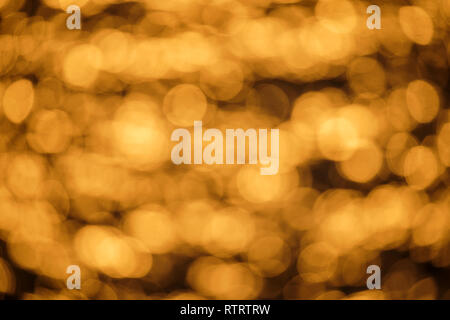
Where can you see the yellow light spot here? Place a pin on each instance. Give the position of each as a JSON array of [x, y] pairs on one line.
[[184, 104], [192, 220], [317, 262], [269, 256], [421, 167], [116, 50], [397, 111], [425, 289], [222, 81], [430, 226], [443, 143], [362, 118], [416, 24], [25, 176], [81, 65], [222, 280], [106, 249], [51, 131], [396, 150], [139, 133], [423, 101], [255, 187], [18, 100], [336, 15], [337, 139], [367, 77], [364, 164], [154, 228], [228, 232]]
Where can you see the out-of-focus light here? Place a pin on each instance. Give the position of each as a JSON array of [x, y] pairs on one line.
[[18, 100], [416, 24]]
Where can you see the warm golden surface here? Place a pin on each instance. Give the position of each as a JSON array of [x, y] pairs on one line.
[[86, 177]]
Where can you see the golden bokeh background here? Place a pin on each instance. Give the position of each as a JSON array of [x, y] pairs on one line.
[[86, 177]]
